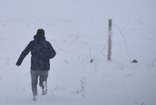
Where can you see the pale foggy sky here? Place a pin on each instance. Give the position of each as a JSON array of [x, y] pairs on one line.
[[119, 9]]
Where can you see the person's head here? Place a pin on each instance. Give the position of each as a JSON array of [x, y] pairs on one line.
[[40, 32]]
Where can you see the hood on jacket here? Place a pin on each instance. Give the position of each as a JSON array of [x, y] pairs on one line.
[[39, 37]]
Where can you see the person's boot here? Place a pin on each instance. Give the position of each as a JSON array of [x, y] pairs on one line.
[[35, 98], [44, 89]]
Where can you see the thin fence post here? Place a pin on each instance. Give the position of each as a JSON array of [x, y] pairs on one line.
[[109, 40]]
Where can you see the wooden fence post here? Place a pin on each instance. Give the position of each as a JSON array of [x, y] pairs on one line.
[[110, 41]]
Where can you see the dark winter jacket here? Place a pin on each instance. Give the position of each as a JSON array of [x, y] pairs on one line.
[[41, 51]]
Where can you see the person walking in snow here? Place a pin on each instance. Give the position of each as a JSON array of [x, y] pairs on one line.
[[41, 53]]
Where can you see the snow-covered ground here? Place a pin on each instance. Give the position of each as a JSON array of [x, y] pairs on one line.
[[78, 30]]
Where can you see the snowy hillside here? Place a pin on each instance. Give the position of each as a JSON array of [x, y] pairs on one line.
[[78, 31]]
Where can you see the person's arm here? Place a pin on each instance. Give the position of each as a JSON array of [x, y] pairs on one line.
[[23, 54], [52, 52]]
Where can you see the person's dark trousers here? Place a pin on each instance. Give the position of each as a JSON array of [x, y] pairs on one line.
[[42, 75]]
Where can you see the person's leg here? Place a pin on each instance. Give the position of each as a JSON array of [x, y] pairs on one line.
[[34, 81], [43, 81]]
